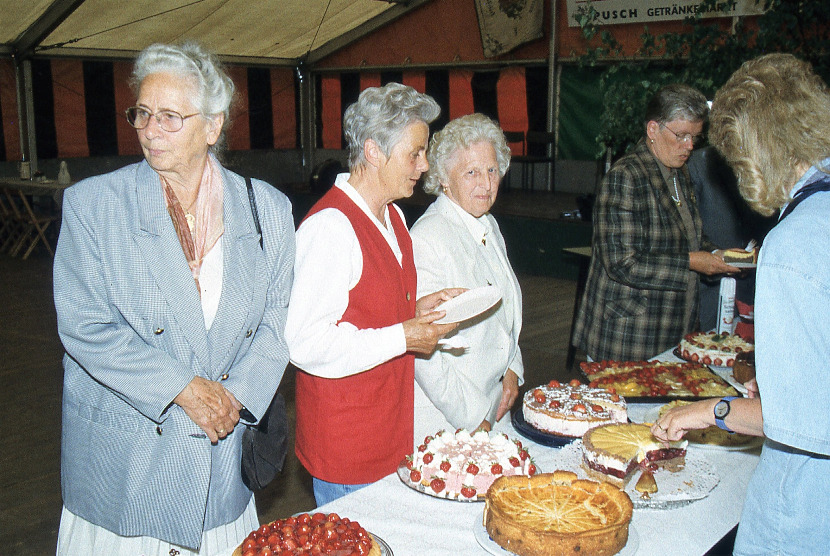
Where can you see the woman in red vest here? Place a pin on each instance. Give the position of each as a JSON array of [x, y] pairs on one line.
[[353, 321]]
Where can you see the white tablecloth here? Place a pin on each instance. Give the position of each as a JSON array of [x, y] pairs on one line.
[[413, 523]]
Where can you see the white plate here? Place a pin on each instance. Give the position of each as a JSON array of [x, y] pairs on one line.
[[403, 475], [488, 544], [469, 304]]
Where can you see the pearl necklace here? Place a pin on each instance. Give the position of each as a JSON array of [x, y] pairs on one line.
[[676, 196]]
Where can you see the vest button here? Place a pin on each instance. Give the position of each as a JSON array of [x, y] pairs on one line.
[[224, 376], [248, 333], [158, 430], [158, 331]]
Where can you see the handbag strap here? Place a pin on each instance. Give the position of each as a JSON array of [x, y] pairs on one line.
[[254, 211]]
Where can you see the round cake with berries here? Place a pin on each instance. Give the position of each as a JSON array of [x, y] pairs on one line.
[[307, 534], [572, 409], [462, 466], [711, 348]]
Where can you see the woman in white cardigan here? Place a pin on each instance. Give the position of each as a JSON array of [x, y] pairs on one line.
[[457, 243]]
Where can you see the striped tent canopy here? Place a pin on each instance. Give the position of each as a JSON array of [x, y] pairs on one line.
[[270, 31]]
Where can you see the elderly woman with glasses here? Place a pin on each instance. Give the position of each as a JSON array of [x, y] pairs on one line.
[[648, 251], [472, 381], [171, 309]]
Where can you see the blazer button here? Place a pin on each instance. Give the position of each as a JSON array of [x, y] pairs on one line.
[[407, 296], [249, 332], [158, 331], [158, 430], [224, 376]]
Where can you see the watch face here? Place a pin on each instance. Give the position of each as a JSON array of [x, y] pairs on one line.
[[721, 409]]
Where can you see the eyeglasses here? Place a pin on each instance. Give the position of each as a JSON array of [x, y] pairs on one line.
[[683, 137], [168, 120]]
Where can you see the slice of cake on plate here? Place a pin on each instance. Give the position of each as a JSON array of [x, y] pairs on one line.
[[741, 256]]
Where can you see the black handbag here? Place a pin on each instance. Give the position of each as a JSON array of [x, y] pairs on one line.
[[265, 445]]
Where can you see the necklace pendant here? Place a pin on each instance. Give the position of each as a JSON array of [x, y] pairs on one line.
[[191, 222]]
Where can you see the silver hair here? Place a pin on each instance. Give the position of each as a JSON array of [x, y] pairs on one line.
[[677, 101], [382, 114], [214, 89], [457, 135]]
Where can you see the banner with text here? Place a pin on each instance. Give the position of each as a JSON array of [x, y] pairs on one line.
[[611, 12]]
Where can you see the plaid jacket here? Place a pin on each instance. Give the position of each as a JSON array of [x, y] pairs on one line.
[[634, 302]]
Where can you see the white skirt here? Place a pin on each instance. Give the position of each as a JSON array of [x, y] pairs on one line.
[[78, 536]]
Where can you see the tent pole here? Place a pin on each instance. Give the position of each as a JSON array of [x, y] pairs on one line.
[[553, 97], [26, 112], [306, 119]]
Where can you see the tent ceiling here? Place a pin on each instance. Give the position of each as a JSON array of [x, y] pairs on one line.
[[277, 32]]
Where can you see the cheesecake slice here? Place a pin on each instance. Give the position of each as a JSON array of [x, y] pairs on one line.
[[612, 453]]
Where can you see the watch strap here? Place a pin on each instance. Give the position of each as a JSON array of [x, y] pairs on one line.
[[719, 420]]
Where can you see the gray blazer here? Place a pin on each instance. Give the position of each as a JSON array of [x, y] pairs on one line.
[[130, 320], [464, 385]]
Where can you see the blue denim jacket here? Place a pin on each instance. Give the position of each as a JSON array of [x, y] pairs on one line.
[[787, 508]]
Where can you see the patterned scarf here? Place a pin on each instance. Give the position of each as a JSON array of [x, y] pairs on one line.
[[198, 232]]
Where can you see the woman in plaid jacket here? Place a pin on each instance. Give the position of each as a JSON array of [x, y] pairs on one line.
[[648, 245]]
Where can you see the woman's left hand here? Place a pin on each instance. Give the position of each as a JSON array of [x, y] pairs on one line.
[[428, 302], [509, 393], [210, 406]]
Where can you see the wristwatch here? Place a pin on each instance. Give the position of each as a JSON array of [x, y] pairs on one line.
[[721, 411]]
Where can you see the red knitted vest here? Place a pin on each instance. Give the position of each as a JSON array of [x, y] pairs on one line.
[[357, 429]]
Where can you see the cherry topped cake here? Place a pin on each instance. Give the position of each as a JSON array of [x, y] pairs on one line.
[[711, 348], [613, 452], [307, 534], [571, 409], [461, 465]]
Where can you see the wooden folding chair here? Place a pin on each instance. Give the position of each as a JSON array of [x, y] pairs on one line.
[[10, 227], [34, 224]]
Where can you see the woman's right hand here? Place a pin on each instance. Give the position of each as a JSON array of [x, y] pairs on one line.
[[704, 262], [211, 406]]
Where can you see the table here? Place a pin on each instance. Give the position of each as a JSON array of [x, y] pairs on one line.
[[414, 523]]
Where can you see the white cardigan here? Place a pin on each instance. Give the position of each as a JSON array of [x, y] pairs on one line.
[[460, 388]]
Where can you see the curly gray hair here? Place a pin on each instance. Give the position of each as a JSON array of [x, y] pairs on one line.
[[213, 87], [460, 134], [382, 114]]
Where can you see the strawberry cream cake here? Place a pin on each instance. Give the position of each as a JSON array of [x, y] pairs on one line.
[[711, 348], [463, 465], [572, 409]]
